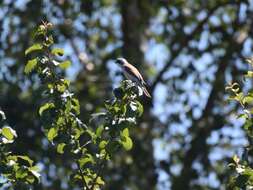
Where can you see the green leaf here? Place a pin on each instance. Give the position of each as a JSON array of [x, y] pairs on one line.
[[35, 47], [45, 107], [140, 108], [30, 179], [76, 105], [127, 143], [78, 132], [100, 181], [49, 41], [30, 66], [91, 134], [61, 87], [52, 133], [60, 148], [27, 159], [249, 74], [35, 171], [103, 144], [99, 130], [125, 140], [8, 133], [64, 64], [125, 132], [21, 173], [247, 99], [57, 51], [60, 121], [243, 115], [87, 159]]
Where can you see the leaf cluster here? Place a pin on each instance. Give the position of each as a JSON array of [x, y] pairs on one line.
[[14, 169], [90, 144], [243, 178]]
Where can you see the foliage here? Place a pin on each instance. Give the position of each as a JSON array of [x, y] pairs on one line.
[[187, 51], [243, 167], [15, 170], [89, 145]]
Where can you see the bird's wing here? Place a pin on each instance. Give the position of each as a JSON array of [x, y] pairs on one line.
[[134, 72]]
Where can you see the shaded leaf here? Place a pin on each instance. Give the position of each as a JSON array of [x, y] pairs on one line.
[[99, 130], [27, 159]]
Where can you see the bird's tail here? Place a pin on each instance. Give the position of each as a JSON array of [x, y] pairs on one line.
[[146, 92]]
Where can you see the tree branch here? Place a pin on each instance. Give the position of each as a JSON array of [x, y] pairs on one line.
[[198, 144], [184, 43]]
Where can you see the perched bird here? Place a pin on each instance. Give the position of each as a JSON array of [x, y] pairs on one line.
[[131, 73]]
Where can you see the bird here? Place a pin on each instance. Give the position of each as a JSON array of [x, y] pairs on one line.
[[131, 73]]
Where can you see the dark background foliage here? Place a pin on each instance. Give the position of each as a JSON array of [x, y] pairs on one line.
[[187, 50]]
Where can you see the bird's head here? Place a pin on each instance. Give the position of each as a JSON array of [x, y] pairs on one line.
[[121, 61]]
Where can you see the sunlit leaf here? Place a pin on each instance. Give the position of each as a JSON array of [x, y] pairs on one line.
[[60, 148], [87, 159], [35, 171], [76, 106], [21, 173], [102, 144], [127, 143], [30, 179], [45, 107], [35, 47], [249, 74], [52, 133], [8, 133], [125, 132], [57, 51], [64, 64], [30, 66], [125, 140], [248, 99], [100, 181]]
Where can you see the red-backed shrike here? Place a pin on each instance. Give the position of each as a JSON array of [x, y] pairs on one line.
[[131, 73]]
